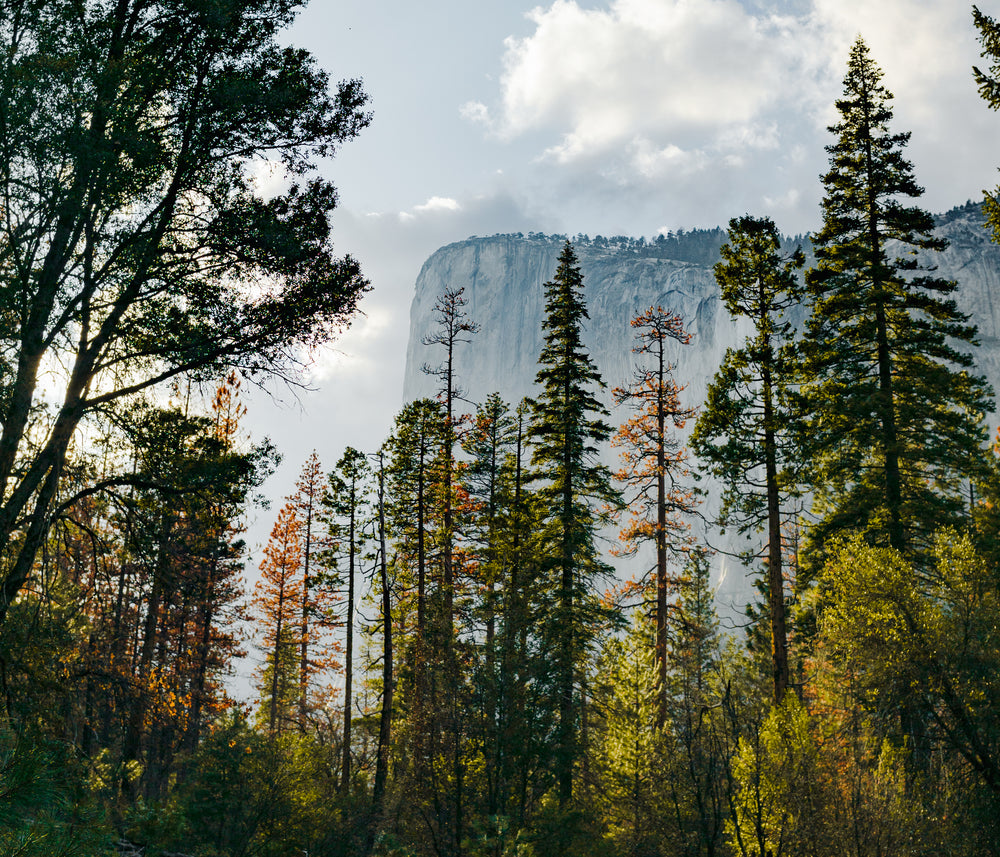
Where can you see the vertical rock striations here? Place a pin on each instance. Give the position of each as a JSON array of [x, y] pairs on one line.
[[503, 277]]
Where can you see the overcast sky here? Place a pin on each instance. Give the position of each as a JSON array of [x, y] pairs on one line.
[[617, 117]]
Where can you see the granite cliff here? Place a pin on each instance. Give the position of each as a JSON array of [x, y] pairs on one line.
[[503, 277]]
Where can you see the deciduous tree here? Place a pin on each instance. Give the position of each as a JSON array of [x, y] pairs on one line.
[[135, 245]]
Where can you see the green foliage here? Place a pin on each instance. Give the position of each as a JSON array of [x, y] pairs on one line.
[[775, 773], [566, 427], [245, 793], [557, 829], [989, 90], [893, 415], [630, 753], [743, 431], [925, 639], [46, 809], [134, 238]]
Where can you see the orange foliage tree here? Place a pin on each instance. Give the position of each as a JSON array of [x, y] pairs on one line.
[[319, 600], [654, 461], [278, 599]]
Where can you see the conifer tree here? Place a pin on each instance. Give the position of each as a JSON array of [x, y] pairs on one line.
[[567, 424], [381, 778], [742, 433], [654, 463], [318, 603], [989, 91], [892, 415], [345, 512], [453, 328], [412, 476], [278, 596]]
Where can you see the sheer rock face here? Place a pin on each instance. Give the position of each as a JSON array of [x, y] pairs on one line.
[[503, 278]]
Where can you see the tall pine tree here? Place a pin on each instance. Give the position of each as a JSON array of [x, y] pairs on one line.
[[893, 418], [566, 425], [655, 462], [742, 432]]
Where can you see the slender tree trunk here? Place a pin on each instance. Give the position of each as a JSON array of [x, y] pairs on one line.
[[345, 782], [137, 715], [385, 718], [564, 767], [204, 647], [277, 656], [304, 621], [887, 404], [661, 542], [775, 578]]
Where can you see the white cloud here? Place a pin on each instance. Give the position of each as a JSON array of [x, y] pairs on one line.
[[677, 72], [434, 205], [439, 203], [476, 111], [715, 106]]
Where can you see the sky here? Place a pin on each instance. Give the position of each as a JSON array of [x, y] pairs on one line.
[[615, 117]]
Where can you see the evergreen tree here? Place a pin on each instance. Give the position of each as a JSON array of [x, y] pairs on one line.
[[315, 653], [345, 511], [412, 476], [655, 462], [453, 328], [893, 418], [566, 425], [278, 596], [989, 91], [742, 433]]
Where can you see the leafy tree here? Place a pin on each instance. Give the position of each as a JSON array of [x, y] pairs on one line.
[[743, 432], [696, 759], [778, 791], [654, 462], [566, 425], [926, 639], [892, 415], [630, 749], [187, 485], [134, 240]]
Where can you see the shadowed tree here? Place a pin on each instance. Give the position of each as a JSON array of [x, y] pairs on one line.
[[743, 433], [135, 245], [893, 417], [345, 511], [567, 424]]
